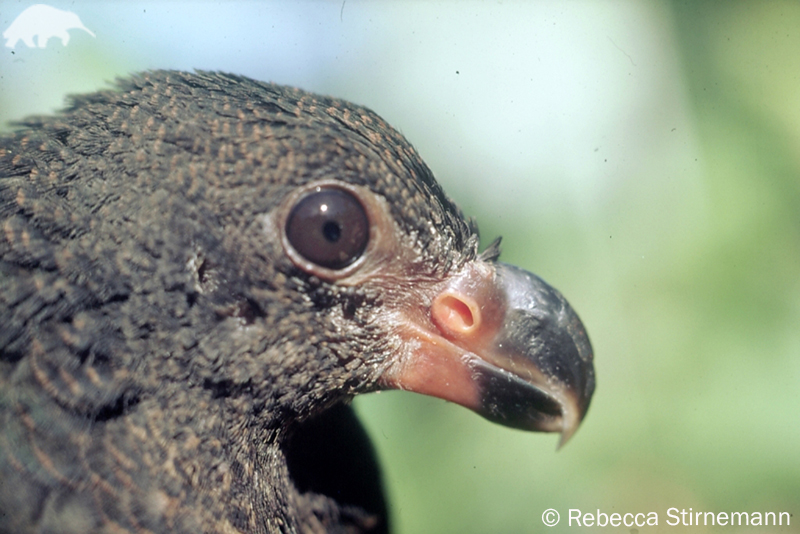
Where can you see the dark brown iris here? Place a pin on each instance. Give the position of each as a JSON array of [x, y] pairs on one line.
[[328, 227]]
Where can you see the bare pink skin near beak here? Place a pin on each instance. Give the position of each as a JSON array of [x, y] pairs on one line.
[[500, 341]]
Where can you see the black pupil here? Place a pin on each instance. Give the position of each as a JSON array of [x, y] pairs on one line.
[[328, 227], [332, 231]]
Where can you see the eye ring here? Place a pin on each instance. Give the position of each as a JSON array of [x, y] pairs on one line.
[[328, 227]]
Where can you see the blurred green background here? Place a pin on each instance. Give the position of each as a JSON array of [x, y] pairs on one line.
[[643, 157]]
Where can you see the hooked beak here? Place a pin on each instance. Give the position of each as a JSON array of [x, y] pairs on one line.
[[502, 342]]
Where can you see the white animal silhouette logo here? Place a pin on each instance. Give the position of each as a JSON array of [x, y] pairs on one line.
[[44, 22]]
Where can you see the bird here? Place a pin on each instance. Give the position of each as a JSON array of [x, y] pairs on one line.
[[199, 271]]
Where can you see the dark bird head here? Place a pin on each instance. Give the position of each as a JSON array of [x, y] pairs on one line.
[[217, 263]]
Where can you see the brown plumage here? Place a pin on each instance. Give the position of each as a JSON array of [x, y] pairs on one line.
[[197, 270]]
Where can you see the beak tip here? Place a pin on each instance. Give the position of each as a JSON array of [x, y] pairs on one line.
[[572, 415], [567, 433]]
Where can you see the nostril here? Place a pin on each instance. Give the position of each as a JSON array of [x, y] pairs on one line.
[[460, 311], [456, 314]]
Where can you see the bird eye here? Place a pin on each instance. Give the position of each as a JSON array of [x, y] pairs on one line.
[[328, 227]]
